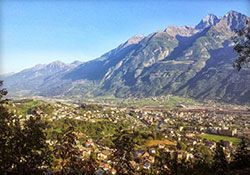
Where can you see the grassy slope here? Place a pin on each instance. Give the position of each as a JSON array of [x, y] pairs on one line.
[[150, 143], [172, 102]]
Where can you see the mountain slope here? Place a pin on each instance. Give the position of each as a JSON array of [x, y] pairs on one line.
[[191, 61], [169, 61], [28, 81]]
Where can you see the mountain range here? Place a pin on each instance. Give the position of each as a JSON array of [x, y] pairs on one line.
[[189, 61]]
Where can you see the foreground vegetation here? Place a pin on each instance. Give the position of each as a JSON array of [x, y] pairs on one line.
[[36, 139], [24, 149]]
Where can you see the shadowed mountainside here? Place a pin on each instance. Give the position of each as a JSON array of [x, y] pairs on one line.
[[190, 61]]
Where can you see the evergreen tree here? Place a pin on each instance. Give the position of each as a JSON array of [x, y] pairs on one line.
[[242, 41], [67, 153], [23, 148], [220, 164], [124, 144], [33, 154], [162, 162], [3, 91], [241, 158]]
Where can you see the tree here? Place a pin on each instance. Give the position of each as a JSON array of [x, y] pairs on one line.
[[242, 41], [124, 144], [181, 146], [30, 148], [163, 162], [9, 129], [66, 152], [202, 161], [23, 148], [241, 159], [220, 163], [3, 91]]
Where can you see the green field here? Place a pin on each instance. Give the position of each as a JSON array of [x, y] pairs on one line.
[[217, 138], [172, 102], [23, 106]]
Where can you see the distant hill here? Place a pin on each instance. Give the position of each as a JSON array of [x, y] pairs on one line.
[[29, 81], [5, 75], [190, 61]]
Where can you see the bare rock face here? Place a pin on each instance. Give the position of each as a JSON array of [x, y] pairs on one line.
[[209, 20], [182, 31], [232, 21], [133, 40]]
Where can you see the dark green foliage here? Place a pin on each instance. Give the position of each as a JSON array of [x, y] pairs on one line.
[[124, 145], [181, 146], [3, 91], [220, 163], [9, 130], [163, 162], [242, 41], [100, 130], [91, 107], [67, 153], [23, 147], [241, 158]]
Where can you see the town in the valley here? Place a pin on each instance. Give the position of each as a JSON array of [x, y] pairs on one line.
[[184, 131]]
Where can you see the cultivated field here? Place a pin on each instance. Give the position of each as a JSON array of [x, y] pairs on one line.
[[217, 138]]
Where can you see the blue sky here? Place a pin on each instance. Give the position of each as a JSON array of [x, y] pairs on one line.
[[37, 31]]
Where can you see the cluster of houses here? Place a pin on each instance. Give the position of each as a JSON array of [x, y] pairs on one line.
[[197, 122], [176, 125]]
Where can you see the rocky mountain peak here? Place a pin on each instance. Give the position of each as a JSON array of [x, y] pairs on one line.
[[209, 20], [58, 63], [133, 40], [232, 20], [232, 13]]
